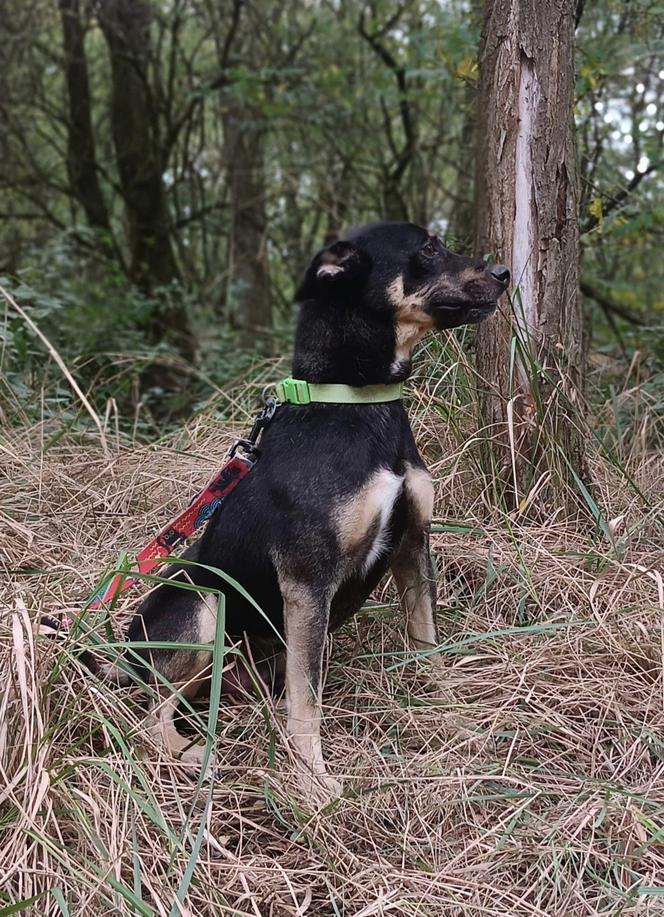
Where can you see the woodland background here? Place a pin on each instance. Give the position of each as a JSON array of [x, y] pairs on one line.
[[167, 169]]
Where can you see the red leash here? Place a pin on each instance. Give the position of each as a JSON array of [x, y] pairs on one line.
[[181, 527], [201, 508]]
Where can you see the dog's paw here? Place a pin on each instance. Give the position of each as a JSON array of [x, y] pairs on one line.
[[319, 789], [194, 758]]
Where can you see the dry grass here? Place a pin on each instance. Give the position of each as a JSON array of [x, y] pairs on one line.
[[523, 778]]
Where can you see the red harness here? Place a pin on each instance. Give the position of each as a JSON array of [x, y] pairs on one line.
[[156, 551]]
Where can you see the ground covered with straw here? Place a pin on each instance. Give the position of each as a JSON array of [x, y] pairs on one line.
[[523, 775]]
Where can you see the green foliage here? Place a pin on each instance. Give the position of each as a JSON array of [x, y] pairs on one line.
[[354, 112], [620, 118], [97, 321]]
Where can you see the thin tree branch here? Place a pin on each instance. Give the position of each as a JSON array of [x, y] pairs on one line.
[[609, 306], [405, 155], [617, 198], [219, 82]]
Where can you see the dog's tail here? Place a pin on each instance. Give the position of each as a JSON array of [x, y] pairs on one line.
[[114, 674]]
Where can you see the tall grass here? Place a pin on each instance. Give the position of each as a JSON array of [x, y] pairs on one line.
[[520, 775]]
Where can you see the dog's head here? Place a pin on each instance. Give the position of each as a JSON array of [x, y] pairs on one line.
[[403, 268], [399, 277]]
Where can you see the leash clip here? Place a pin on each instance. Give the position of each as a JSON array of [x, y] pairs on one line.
[[244, 445], [250, 444]]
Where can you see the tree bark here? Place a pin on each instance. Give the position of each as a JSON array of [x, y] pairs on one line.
[[81, 161], [462, 229], [530, 357], [248, 287], [126, 28]]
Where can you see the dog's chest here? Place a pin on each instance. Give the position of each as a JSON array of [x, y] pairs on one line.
[[365, 520]]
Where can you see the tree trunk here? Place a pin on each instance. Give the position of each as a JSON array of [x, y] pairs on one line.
[[81, 162], [462, 229], [248, 287], [126, 28], [530, 357]]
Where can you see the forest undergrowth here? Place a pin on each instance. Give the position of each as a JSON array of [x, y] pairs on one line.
[[522, 777]]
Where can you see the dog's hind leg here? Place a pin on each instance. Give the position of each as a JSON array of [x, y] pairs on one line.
[[415, 580], [412, 567], [306, 619], [183, 617], [416, 584]]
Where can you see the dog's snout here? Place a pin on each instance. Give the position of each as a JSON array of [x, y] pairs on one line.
[[500, 273]]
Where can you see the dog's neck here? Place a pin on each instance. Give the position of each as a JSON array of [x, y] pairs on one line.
[[334, 343]]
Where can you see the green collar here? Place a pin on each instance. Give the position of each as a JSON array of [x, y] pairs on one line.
[[296, 391]]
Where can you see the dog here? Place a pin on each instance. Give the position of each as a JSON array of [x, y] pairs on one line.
[[339, 496]]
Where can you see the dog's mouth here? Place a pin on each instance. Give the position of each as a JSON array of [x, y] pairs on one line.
[[479, 311], [451, 316]]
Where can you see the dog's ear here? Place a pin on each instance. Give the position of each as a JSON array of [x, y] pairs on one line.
[[340, 264], [341, 261]]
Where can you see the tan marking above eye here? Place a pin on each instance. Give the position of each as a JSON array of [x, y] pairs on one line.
[[469, 274]]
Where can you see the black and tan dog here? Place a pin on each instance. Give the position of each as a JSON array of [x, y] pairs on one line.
[[340, 494]]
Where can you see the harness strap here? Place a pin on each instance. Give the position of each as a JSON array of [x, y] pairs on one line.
[[244, 455], [297, 391]]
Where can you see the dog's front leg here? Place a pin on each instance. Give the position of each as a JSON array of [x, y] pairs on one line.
[[306, 619], [416, 584]]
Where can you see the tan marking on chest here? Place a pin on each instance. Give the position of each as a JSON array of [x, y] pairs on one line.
[[420, 491], [367, 513], [412, 322]]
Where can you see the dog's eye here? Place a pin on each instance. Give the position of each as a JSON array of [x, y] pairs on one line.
[[429, 248]]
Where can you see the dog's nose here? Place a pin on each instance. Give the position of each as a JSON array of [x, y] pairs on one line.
[[501, 273]]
